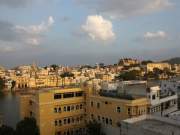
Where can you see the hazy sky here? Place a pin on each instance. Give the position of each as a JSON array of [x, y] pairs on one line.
[[87, 31]]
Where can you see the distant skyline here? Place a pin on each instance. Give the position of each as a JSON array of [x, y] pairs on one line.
[[72, 32]]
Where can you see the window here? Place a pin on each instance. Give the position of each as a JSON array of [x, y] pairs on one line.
[[79, 94], [72, 107], [68, 108], [72, 119], [64, 108], [55, 110], [77, 119], [81, 118], [118, 109], [91, 104], [68, 120], [68, 95], [77, 107], [81, 106], [59, 109], [31, 113], [110, 121], [98, 105], [99, 118], [129, 110], [92, 116], [153, 97], [30, 102], [60, 122], [55, 123], [57, 96], [107, 121], [103, 119], [65, 121]]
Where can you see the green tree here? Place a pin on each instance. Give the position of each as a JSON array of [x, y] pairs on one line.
[[64, 75], [2, 83], [13, 84], [54, 66], [27, 126], [94, 128], [146, 62], [6, 130], [131, 75]]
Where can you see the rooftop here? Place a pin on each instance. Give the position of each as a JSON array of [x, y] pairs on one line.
[[161, 125]]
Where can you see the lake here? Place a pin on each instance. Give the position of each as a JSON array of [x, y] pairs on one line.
[[9, 109]]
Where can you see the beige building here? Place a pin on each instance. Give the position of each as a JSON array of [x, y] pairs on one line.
[[161, 66], [57, 111]]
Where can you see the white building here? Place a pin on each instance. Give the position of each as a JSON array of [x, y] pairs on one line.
[[161, 102]]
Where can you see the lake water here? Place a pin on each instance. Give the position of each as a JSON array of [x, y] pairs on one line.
[[9, 109]]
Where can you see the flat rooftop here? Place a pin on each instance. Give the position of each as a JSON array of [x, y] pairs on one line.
[[155, 124], [158, 127]]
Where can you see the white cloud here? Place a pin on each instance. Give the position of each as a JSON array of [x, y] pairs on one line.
[[124, 8], [98, 28], [152, 35], [32, 34]]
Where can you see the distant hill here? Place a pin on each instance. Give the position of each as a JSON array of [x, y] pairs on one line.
[[173, 60]]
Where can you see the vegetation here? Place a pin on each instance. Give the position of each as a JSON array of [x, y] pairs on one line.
[[94, 128], [157, 72], [54, 66], [145, 62], [24, 127], [13, 85], [6, 130], [27, 127], [173, 60], [1, 86], [64, 75], [130, 75]]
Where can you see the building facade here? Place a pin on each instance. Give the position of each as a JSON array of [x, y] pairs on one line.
[[57, 111]]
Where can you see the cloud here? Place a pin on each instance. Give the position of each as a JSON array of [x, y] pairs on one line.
[[155, 35], [33, 34], [124, 8], [98, 28], [12, 36]]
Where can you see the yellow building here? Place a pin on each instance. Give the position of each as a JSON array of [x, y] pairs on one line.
[[161, 66], [57, 111], [110, 110], [65, 111]]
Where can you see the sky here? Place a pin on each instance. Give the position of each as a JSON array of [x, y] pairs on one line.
[[71, 32]]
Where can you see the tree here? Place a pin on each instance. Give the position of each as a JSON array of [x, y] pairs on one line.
[[13, 84], [54, 66], [131, 75], [27, 127], [94, 128], [146, 62], [6, 130], [64, 75], [2, 83]]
